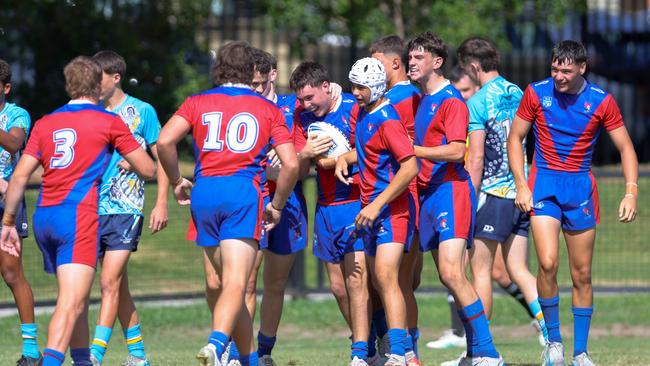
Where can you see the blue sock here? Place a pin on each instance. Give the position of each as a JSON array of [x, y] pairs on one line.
[[264, 344], [379, 321], [52, 357], [469, 333], [397, 338], [536, 310], [482, 345], [250, 360], [581, 323], [415, 336], [219, 340], [100, 342], [409, 343], [30, 346], [360, 350], [372, 338], [134, 342], [81, 356], [234, 352], [551, 310]]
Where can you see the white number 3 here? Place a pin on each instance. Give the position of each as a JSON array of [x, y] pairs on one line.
[[64, 142]]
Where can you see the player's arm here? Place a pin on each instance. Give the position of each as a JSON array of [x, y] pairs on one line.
[[13, 140], [170, 135], [9, 240], [475, 157], [518, 132], [453, 152], [342, 163], [159, 215], [287, 179], [622, 141]]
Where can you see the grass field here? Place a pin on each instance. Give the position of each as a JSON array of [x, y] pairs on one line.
[[313, 333], [166, 263]]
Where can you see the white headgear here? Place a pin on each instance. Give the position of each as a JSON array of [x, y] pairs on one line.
[[370, 73]]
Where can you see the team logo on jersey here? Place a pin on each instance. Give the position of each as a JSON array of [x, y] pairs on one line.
[[587, 107], [345, 121], [3, 121], [433, 107], [370, 127], [547, 101]]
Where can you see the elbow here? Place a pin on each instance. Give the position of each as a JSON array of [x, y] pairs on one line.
[[149, 172], [292, 167], [459, 155]]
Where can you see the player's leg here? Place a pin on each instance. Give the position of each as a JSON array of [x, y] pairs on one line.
[[406, 281], [130, 322], [251, 287], [276, 274], [79, 348], [113, 266], [74, 281], [356, 283], [481, 259], [212, 282], [14, 276], [335, 273], [580, 245]]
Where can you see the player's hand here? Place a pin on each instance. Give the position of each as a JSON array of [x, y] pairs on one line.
[[274, 158], [335, 91], [316, 145], [123, 164], [9, 241], [182, 192], [271, 217], [524, 199], [158, 218], [627, 209], [366, 218], [341, 171], [3, 188]]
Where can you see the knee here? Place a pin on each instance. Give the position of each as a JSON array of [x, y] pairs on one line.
[[339, 291], [385, 280], [110, 287], [548, 267], [581, 277], [452, 278], [11, 275]]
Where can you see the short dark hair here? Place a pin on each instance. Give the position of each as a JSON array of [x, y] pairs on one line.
[[480, 50], [569, 52], [308, 73], [430, 43], [111, 62], [456, 74], [264, 61], [83, 78], [5, 72], [393, 45], [234, 64]]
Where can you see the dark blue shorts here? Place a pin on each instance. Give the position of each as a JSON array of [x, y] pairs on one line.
[[22, 226], [497, 218], [290, 235], [334, 231], [119, 232]]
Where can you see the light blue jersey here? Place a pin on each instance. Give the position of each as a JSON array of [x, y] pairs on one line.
[[122, 192], [12, 116], [493, 109]]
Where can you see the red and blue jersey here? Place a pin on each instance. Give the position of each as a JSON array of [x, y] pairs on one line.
[[405, 97], [382, 142], [233, 128], [442, 117], [287, 104], [74, 145], [566, 126], [344, 117]]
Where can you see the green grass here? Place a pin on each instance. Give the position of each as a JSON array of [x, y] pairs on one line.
[[166, 263], [313, 333]]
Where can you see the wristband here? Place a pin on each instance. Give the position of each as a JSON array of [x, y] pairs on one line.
[[630, 195], [9, 219], [275, 208], [631, 184]]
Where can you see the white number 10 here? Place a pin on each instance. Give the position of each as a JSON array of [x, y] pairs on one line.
[[241, 132], [64, 142]]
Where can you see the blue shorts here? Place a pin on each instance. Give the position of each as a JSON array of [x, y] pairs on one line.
[[22, 226], [119, 232], [395, 224], [226, 208], [334, 231], [571, 198], [264, 236], [66, 234], [290, 235], [447, 212], [497, 218]]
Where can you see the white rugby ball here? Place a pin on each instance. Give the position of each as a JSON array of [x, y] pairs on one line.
[[340, 143]]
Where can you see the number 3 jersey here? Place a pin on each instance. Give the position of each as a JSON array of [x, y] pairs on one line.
[[122, 191], [74, 145], [493, 109], [233, 128]]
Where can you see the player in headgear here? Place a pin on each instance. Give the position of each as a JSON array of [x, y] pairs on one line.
[[386, 166], [567, 112]]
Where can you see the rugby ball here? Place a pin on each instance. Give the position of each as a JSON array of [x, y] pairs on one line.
[[340, 143]]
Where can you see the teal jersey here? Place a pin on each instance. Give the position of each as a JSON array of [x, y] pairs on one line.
[[493, 109], [122, 192], [12, 116]]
